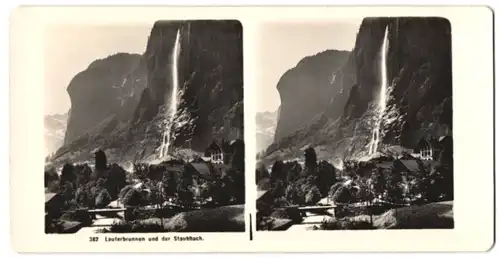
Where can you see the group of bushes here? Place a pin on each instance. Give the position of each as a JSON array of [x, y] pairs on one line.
[[297, 185], [81, 186]]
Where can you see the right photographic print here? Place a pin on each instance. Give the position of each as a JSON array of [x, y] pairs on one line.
[[354, 125]]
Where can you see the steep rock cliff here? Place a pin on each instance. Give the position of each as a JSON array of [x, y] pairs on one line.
[[210, 74], [419, 100], [306, 90], [210, 80], [108, 89]]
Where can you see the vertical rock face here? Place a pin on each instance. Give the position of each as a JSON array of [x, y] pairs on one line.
[[210, 74], [109, 88], [418, 74], [306, 90], [210, 97]]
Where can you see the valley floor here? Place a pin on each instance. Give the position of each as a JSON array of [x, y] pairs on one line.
[[428, 216]]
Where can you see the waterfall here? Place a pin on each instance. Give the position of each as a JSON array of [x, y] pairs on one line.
[[171, 111], [382, 100]]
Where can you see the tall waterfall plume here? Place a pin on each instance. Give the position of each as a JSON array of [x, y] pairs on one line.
[[171, 111], [382, 100]]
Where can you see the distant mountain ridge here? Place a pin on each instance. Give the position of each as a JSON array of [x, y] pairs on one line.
[[54, 131], [266, 126]]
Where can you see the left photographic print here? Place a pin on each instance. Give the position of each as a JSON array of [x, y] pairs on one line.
[[144, 128]]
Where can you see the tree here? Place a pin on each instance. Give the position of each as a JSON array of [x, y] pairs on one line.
[[238, 157], [364, 191], [103, 199], [310, 159], [155, 197], [291, 193], [83, 173], [184, 193], [333, 189], [124, 191], [312, 196], [116, 180], [237, 184], [141, 170], [100, 160], [344, 194], [169, 183], [67, 191], [207, 190], [439, 184], [68, 174], [277, 171], [132, 198], [261, 173], [378, 182], [293, 170], [394, 187], [326, 177], [50, 176]]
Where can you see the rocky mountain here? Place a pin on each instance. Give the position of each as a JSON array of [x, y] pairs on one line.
[[55, 128], [210, 77], [266, 126], [308, 85], [109, 89], [210, 94], [419, 99]]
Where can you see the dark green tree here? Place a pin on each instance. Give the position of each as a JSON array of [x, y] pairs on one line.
[[102, 199], [326, 177], [378, 182], [277, 171], [394, 186], [68, 174], [310, 159], [312, 196]]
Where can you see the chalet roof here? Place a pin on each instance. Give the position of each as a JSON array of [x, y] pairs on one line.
[[218, 146], [410, 164], [174, 167], [384, 164], [444, 138], [49, 196], [202, 168], [173, 162], [261, 193], [264, 184], [237, 141]]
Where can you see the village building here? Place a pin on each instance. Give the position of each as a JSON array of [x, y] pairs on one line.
[[432, 148], [201, 172], [219, 153], [53, 204]]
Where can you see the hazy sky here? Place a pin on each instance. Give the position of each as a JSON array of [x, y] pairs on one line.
[[282, 45], [70, 49]]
